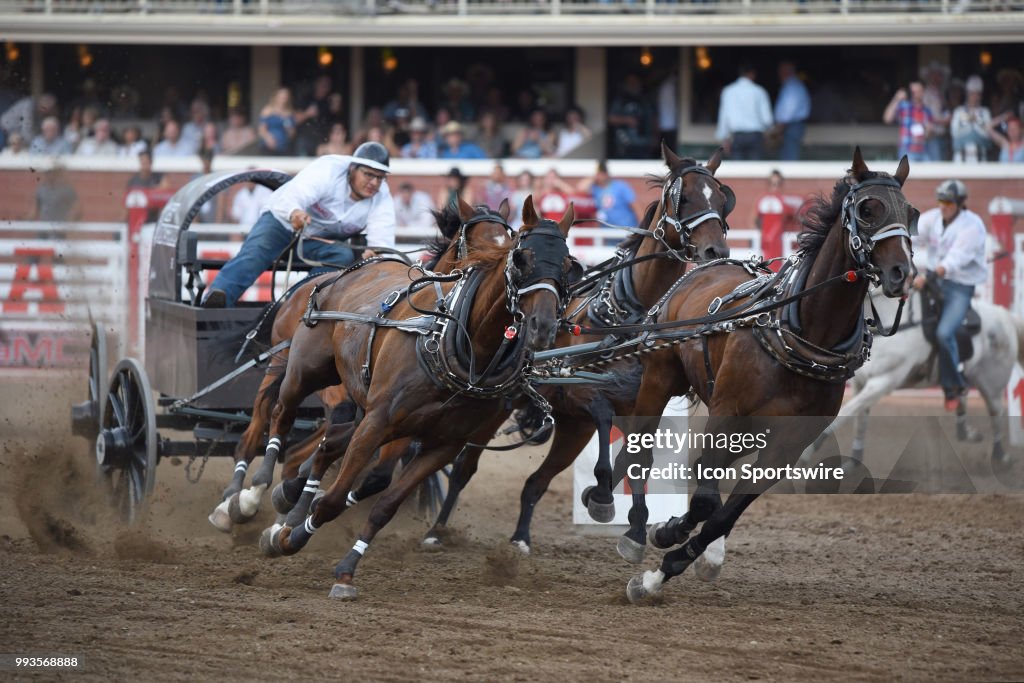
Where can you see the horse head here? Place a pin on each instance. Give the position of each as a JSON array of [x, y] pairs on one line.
[[538, 274], [695, 206], [880, 221], [465, 228]]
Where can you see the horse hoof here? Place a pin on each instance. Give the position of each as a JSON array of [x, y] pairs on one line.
[[220, 518], [270, 544], [630, 550], [343, 591], [235, 510], [521, 546], [431, 543], [280, 500], [652, 536], [708, 566], [635, 590], [599, 512]]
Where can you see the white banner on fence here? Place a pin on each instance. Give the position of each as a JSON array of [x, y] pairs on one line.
[[54, 279]]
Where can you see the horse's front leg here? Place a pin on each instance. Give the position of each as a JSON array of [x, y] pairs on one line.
[[384, 509], [462, 471], [599, 499]]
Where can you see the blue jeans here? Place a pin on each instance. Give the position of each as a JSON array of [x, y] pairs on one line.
[[264, 243], [956, 300], [792, 139]]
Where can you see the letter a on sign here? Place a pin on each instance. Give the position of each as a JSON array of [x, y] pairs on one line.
[[37, 262]]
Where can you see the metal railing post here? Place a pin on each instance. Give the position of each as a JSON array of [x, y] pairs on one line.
[[463, 8]]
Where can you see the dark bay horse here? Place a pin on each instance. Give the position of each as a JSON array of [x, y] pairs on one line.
[[775, 364], [689, 224], [505, 307], [485, 227]]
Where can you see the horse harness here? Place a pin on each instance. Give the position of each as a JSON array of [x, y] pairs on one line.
[[443, 348]]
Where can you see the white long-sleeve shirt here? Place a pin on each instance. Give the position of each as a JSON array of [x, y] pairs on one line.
[[743, 108], [322, 190], [958, 247]]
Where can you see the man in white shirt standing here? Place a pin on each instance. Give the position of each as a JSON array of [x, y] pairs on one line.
[[248, 202], [955, 241], [413, 208], [334, 198], [744, 114]]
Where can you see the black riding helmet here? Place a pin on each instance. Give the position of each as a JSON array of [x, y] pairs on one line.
[[372, 155]]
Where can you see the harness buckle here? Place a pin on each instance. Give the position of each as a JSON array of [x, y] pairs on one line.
[[716, 304], [511, 332], [856, 243], [390, 300]]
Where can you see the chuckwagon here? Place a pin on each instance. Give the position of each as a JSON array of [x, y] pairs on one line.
[[203, 384]]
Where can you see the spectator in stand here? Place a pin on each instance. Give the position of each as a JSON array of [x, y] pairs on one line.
[[573, 134], [15, 146], [496, 187], [455, 185], [132, 143], [936, 79], [24, 115], [407, 98], [247, 204], [337, 142], [524, 188], [80, 126], [631, 121], [145, 177], [211, 139], [56, 200], [534, 141], [969, 125], [192, 131], [494, 103], [420, 145], [744, 116], [792, 109], [277, 124], [50, 141], [456, 100], [209, 212], [1011, 145], [490, 138], [1009, 95], [172, 145], [412, 208], [239, 136], [383, 135], [613, 198], [915, 121], [668, 110], [553, 198], [100, 142], [456, 147], [313, 119], [374, 118]]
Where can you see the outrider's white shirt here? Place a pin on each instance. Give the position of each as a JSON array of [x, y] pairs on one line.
[[322, 190], [959, 247]]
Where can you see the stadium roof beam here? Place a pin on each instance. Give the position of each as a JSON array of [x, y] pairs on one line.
[[494, 31]]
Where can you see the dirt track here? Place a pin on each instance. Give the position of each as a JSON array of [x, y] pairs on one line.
[[813, 587]]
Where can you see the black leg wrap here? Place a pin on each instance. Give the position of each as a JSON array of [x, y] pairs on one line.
[[638, 515], [298, 513], [348, 564], [293, 489], [676, 562], [704, 503]]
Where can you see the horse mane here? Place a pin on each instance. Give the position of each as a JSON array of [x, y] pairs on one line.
[[448, 222], [824, 211]]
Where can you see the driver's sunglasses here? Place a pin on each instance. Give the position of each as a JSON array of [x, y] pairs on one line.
[[370, 175], [947, 202]]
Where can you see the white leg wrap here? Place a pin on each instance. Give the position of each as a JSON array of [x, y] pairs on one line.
[[311, 486], [249, 500], [360, 547], [310, 527], [709, 565], [350, 500], [653, 580], [274, 444], [241, 466]]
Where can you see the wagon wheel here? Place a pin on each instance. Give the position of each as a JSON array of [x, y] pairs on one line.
[[85, 416], [126, 448]]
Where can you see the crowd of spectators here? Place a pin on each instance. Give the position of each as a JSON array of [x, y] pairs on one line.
[[939, 117]]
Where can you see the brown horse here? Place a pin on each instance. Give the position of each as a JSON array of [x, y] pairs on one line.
[[792, 361], [457, 235], [696, 205], [502, 314]]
